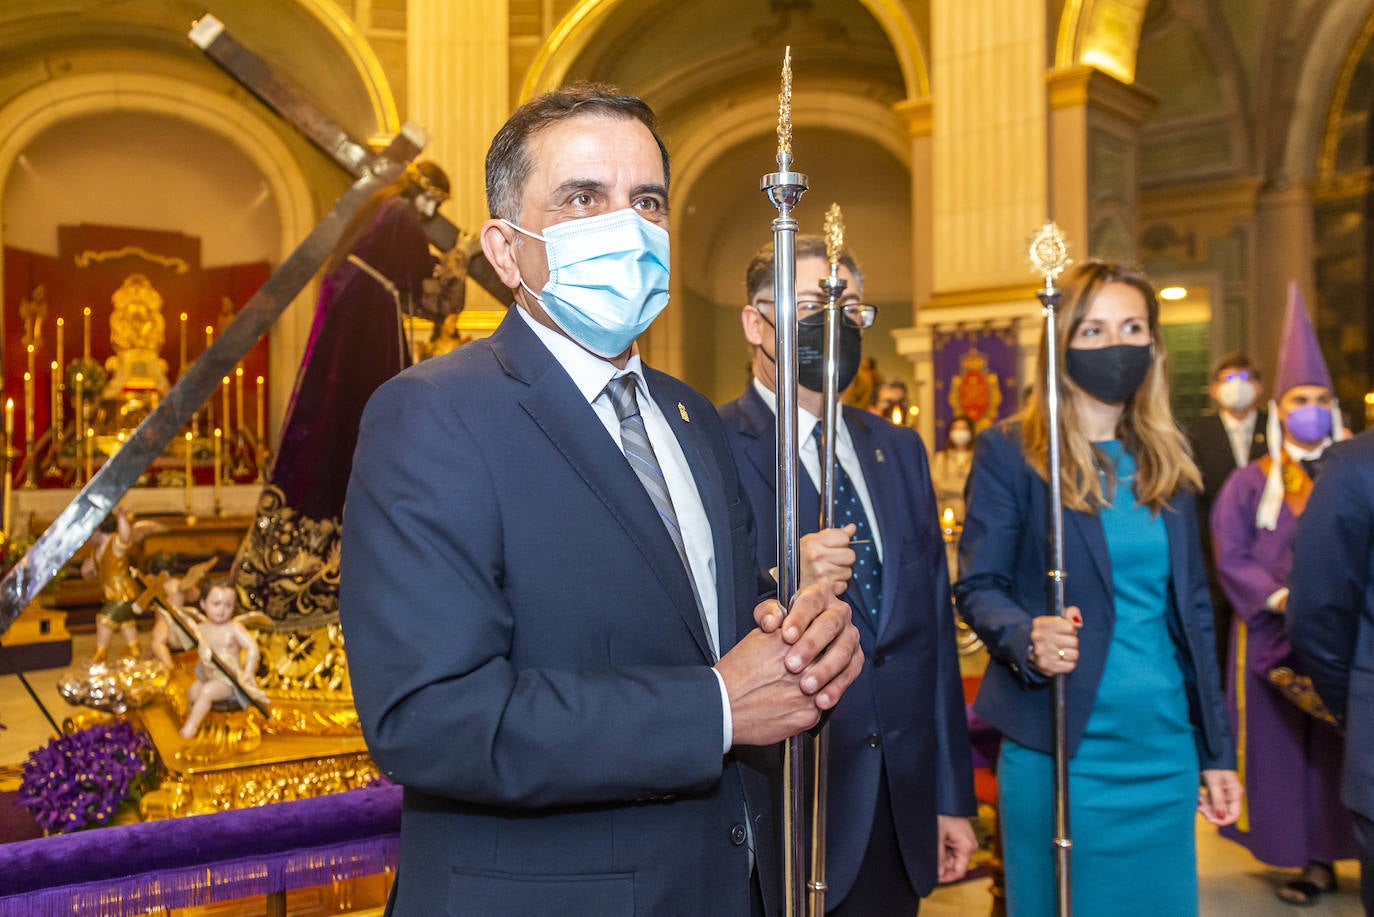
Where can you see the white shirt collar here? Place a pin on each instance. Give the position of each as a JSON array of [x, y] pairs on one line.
[[1300, 455], [589, 372], [806, 421], [1232, 425]]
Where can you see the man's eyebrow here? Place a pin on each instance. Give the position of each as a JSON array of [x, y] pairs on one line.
[[651, 188], [574, 185]]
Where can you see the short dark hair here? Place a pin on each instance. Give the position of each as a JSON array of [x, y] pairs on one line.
[[1236, 359], [759, 276], [508, 160]]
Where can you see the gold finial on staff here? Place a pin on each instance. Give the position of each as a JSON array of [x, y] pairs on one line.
[[834, 234], [1049, 253], [785, 112]]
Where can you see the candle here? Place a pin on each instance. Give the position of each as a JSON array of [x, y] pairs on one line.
[[190, 477], [28, 411], [80, 413], [238, 397], [61, 327], [219, 439], [209, 336], [181, 361], [55, 420], [32, 371], [9, 439], [86, 334], [90, 437], [224, 404], [262, 425]]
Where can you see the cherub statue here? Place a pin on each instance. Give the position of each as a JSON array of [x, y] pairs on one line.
[[228, 659], [109, 561], [172, 615]]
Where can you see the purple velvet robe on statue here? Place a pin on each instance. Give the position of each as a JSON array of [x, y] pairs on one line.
[[355, 345], [1288, 761]]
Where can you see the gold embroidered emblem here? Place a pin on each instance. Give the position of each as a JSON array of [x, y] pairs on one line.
[[682, 412]]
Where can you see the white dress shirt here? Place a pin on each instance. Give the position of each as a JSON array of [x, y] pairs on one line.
[[845, 454], [1241, 433], [591, 374]]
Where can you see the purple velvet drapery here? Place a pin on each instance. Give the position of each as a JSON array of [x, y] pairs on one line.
[[183, 862]]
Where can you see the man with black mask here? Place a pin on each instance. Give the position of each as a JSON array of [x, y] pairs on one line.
[[900, 786]]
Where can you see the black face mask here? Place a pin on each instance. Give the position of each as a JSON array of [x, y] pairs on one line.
[[1110, 374], [811, 355]]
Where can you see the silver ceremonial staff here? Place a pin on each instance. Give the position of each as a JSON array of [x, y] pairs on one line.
[[784, 189], [834, 287], [1049, 255]]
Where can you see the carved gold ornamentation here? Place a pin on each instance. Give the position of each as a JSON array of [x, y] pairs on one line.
[[136, 322], [88, 257], [1049, 253], [785, 112], [200, 792], [288, 568], [834, 234]]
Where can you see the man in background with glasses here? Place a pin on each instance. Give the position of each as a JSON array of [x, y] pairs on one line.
[[1222, 442], [900, 785]]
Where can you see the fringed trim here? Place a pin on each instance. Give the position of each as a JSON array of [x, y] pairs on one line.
[[191, 886]]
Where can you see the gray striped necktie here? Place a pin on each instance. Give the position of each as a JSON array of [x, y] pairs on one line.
[[634, 439]]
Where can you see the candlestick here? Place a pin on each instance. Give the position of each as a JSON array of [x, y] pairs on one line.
[[181, 360], [86, 334], [238, 397], [261, 420], [79, 421], [219, 442], [61, 327], [55, 417], [29, 394], [224, 404], [5, 519], [190, 476]]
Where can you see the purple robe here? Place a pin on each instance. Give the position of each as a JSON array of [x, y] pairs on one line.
[[1289, 762]]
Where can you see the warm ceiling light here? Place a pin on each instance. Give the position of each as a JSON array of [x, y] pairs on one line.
[[1172, 293]]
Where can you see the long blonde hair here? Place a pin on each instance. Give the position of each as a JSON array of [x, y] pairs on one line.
[[1164, 461]]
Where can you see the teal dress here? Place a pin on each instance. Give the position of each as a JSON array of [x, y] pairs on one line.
[[1133, 784]]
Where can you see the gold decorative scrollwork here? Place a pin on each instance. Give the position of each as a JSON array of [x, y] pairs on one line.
[[288, 568], [88, 257], [241, 788]]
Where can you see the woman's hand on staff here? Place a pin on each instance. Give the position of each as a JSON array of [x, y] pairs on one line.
[[1054, 642], [1219, 797]]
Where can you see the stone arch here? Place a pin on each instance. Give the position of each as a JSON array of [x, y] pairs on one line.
[[31, 113], [1101, 33], [576, 31], [369, 69], [1323, 87]]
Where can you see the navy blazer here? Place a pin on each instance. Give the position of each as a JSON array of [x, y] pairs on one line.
[[906, 709], [527, 656], [1003, 562], [1331, 604]]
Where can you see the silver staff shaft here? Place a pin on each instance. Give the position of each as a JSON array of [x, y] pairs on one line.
[[784, 189], [830, 420], [1059, 693]]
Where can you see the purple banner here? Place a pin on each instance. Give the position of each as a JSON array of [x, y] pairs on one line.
[[975, 375]]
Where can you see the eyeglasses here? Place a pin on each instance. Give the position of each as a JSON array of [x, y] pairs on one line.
[[1236, 375], [812, 312]]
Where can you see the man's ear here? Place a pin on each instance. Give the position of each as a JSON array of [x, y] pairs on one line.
[[498, 244], [754, 325]]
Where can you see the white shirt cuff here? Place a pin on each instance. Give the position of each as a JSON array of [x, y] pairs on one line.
[[728, 719], [1272, 603]]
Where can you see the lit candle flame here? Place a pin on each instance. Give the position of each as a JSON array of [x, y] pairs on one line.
[[947, 517], [897, 414]]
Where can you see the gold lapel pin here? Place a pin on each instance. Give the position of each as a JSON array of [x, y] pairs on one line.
[[682, 412], [879, 454]]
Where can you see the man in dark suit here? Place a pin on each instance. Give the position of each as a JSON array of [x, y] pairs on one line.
[[1330, 620], [900, 777], [1223, 441], [549, 582]]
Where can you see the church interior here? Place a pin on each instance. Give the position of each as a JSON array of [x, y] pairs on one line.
[[149, 191]]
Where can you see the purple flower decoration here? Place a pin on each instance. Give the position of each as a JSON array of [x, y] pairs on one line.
[[80, 780]]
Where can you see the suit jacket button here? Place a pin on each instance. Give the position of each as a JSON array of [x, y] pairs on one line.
[[738, 835], [874, 740], [879, 659]]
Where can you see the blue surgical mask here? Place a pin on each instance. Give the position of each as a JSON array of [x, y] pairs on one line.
[[608, 278]]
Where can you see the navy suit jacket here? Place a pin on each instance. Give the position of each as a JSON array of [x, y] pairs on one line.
[[906, 709], [1003, 562], [527, 656], [1331, 604]]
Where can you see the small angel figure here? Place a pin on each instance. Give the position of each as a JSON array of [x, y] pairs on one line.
[[228, 659], [173, 614], [110, 561]]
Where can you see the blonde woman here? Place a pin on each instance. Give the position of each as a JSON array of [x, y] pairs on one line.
[[1147, 729]]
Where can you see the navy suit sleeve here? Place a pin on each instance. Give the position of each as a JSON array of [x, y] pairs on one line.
[[954, 773], [430, 628], [1329, 584], [997, 516]]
